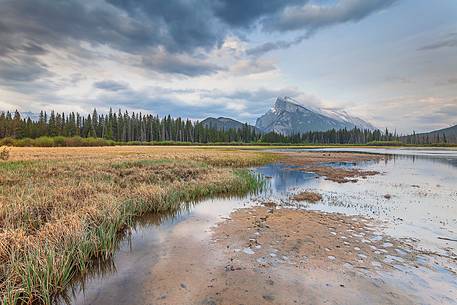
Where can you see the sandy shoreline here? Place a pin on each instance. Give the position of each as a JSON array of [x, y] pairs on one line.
[[262, 255]]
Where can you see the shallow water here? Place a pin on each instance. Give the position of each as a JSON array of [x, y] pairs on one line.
[[423, 207], [423, 190]]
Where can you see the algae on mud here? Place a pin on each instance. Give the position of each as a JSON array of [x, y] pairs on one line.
[[62, 207]]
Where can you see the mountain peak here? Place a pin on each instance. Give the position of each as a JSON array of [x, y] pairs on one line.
[[287, 104], [288, 116]]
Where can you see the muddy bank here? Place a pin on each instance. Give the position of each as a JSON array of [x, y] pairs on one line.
[[320, 164], [313, 158], [339, 175], [306, 196]]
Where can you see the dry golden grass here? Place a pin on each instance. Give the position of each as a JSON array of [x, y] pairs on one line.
[[307, 196], [61, 207]]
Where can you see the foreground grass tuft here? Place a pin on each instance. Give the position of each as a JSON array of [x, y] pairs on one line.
[[61, 208]]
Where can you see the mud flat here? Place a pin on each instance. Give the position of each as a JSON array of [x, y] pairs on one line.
[[287, 256], [262, 255], [321, 163], [313, 158]]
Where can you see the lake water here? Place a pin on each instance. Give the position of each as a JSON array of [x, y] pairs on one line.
[[423, 189], [422, 210]]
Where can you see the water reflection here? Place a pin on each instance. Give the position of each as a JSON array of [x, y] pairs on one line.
[[447, 156], [142, 245], [282, 177]]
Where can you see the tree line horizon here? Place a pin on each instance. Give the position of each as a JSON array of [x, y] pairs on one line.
[[122, 126]]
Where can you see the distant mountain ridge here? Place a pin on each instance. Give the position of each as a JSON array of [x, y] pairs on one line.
[[288, 117], [445, 135], [223, 123], [32, 115]]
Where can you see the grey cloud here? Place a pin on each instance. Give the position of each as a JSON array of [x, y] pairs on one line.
[[21, 69], [448, 41], [136, 27], [164, 101], [180, 25], [63, 23], [258, 101], [312, 17], [111, 85], [449, 109], [128, 25], [161, 101], [34, 27], [242, 13], [400, 79], [178, 64], [451, 81], [252, 66], [261, 94], [76, 78], [415, 113], [276, 45]]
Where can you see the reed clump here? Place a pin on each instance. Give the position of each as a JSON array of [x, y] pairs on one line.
[[4, 153], [61, 208], [307, 196]]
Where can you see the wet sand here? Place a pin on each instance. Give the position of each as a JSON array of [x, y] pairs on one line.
[[280, 256]]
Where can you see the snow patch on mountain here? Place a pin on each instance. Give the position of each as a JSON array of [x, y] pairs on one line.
[[287, 116]]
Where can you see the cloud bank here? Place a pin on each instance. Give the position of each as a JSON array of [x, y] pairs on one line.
[[192, 58]]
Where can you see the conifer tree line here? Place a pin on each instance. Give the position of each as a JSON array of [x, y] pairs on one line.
[[430, 138], [119, 127], [122, 126], [333, 136]]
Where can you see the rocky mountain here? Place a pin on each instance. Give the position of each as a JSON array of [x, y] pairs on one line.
[[222, 123], [288, 117]]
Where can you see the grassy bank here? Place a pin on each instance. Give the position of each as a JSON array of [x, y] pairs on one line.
[[98, 142], [62, 207]]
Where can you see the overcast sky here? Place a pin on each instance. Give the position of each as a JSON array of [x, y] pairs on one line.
[[391, 62]]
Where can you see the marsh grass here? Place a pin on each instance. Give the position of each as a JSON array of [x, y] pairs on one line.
[[4, 153], [62, 210]]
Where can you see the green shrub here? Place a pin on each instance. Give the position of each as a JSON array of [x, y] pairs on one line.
[[96, 142], [73, 141], [7, 142], [59, 141], [43, 142], [385, 143], [25, 142]]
